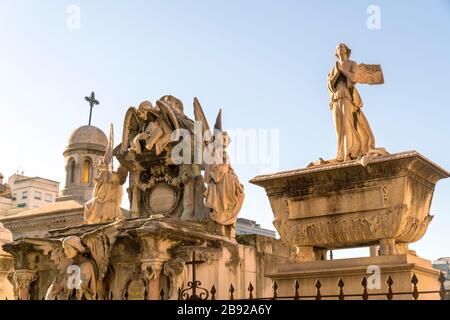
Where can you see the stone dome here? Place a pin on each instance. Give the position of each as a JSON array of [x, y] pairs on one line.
[[87, 136]]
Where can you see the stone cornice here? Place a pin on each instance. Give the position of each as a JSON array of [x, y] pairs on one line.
[[259, 180]]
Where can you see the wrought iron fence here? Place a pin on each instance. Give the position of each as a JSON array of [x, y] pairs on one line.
[[195, 291], [194, 288], [364, 294]]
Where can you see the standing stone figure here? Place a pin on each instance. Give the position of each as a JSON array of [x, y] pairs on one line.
[[224, 193], [355, 138], [107, 196]]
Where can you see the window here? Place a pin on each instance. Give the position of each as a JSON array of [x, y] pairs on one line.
[[14, 197], [48, 197], [25, 195], [87, 171], [72, 171], [37, 195]]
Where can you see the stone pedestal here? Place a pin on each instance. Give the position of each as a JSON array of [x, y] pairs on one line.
[[344, 205], [384, 202], [401, 268]]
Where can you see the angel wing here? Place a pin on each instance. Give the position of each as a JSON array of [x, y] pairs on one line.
[[54, 249], [369, 74], [200, 116], [100, 243], [132, 125], [168, 115], [108, 157]]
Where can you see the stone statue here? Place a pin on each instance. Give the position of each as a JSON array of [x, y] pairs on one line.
[[158, 131], [5, 189], [82, 262], [355, 138], [224, 193], [164, 186], [83, 286], [107, 196]]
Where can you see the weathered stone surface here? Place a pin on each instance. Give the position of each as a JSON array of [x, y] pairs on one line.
[[344, 205], [401, 268], [154, 251]]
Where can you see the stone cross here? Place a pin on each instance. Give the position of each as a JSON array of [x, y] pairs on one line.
[[92, 102]]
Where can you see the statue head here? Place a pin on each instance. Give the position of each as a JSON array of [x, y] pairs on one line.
[[221, 142], [174, 102], [342, 50], [144, 108], [226, 139], [72, 245]]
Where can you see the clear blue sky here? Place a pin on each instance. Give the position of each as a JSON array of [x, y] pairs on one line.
[[265, 63]]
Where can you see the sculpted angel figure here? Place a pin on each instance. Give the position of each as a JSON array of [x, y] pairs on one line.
[[148, 128], [224, 194], [82, 263], [107, 196], [81, 282], [156, 133], [355, 138], [5, 189], [156, 124]]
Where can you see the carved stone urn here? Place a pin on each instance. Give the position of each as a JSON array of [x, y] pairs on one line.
[[345, 204]]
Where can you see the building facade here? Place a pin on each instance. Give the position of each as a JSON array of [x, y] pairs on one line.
[[443, 264], [32, 192], [31, 218], [247, 227]]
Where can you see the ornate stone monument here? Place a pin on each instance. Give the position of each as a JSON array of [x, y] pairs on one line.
[[184, 198], [366, 197]]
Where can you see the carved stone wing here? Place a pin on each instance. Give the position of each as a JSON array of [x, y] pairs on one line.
[[54, 249], [369, 74], [200, 116], [168, 115], [132, 125], [107, 158], [100, 243]]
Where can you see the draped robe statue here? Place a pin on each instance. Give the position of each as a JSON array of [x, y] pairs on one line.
[[107, 196], [355, 138], [224, 194]]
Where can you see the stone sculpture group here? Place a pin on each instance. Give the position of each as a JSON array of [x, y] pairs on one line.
[[185, 196]]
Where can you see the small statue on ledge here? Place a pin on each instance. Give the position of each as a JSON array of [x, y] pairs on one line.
[[5, 189], [224, 194], [107, 196]]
